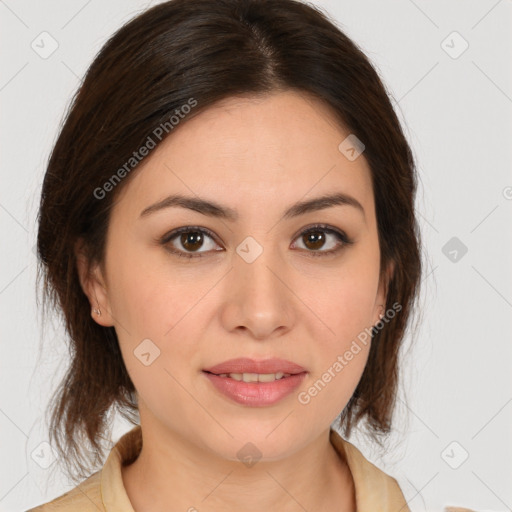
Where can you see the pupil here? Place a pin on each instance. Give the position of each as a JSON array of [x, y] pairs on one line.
[[191, 241], [317, 239]]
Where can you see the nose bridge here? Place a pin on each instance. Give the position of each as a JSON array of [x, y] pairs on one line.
[[259, 301], [256, 267]]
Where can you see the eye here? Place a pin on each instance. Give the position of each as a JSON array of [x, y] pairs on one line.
[[186, 241], [316, 237], [190, 238]]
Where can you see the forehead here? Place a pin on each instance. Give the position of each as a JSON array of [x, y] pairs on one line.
[[248, 150]]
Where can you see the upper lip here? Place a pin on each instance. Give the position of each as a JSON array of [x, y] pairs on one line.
[[246, 365]]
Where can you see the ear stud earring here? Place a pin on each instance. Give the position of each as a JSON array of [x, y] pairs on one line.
[[381, 315]]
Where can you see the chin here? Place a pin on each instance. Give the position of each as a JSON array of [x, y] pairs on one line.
[[265, 441]]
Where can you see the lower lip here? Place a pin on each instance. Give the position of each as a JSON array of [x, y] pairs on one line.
[[256, 394]]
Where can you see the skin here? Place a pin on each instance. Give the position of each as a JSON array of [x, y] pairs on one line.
[[257, 156]]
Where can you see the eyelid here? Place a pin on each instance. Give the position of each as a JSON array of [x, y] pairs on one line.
[[187, 229]]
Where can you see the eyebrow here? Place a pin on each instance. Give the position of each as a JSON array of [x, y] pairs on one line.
[[213, 209]]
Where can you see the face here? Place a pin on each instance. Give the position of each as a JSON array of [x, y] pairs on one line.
[[254, 283]]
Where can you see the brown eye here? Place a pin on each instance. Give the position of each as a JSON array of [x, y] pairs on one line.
[[321, 240], [192, 240], [314, 240], [187, 242]]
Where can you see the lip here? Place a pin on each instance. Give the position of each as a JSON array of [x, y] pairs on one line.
[[246, 365], [256, 394]]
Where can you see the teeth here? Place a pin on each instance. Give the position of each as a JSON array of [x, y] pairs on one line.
[[255, 377]]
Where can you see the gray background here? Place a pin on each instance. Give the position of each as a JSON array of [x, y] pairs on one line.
[[456, 398]]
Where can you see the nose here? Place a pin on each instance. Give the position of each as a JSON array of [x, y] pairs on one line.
[[258, 299]]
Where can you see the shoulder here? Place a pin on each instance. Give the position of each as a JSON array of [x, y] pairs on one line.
[[85, 497], [105, 487], [375, 489], [371, 477]]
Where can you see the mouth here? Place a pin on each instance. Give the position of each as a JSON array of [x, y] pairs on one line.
[[250, 370], [255, 390], [254, 377], [255, 383]]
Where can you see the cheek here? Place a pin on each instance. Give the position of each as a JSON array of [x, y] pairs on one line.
[[344, 300], [344, 297], [340, 358], [147, 297], [152, 316], [152, 301]]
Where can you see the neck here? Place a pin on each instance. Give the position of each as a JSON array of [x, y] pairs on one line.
[[174, 474]]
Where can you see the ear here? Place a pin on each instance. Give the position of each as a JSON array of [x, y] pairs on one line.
[[93, 285], [380, 302]]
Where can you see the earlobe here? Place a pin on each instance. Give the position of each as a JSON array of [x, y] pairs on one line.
[[92, 283], [383, 292]]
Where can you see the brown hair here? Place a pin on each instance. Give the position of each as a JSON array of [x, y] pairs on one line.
[[208, 50]]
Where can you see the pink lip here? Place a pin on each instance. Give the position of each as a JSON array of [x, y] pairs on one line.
[[246, 365], [256, 394]]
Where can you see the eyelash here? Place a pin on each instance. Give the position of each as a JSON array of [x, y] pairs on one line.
[[340, 235]]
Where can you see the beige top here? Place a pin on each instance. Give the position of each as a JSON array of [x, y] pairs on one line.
[[104, 490]]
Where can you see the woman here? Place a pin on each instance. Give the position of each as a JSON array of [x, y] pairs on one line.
[[227, 224]]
